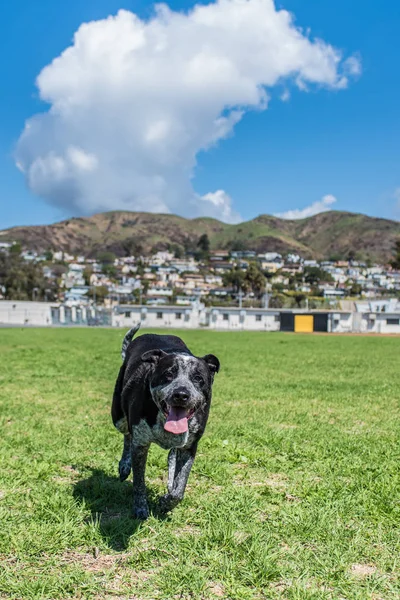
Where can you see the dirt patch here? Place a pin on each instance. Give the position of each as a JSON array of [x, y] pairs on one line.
[[276, 480], [187, 530], [281, 585], [291, 498], [63, 480], [94, 562], [109, 515], [240, 536], [216, 589], [71, 470], [361, 570]]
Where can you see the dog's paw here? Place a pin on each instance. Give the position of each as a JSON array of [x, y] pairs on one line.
[[124, 469], [141, 513], [168, 502]]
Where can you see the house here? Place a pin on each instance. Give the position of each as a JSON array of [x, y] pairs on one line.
[[334, 293], [219, 255]]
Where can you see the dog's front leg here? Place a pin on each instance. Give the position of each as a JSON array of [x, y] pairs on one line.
[[125, 462], [140, 506], [184, 459], [171, 468]]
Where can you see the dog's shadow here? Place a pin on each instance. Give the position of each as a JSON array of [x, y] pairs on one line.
[[110, 504]]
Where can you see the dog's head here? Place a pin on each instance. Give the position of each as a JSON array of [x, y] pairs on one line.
[[180, 385]]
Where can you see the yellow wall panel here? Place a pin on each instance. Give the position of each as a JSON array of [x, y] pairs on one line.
[[304, 323]]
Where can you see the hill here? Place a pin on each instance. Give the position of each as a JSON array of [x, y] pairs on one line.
[[324, 235]]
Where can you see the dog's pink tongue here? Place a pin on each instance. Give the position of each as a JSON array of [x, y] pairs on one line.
[[176, 421]]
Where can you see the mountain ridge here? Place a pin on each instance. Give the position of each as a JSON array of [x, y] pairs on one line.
[[327, 234]]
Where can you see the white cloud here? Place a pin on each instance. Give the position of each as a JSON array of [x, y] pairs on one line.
[[322, 205], [285, 96], [132, 102], [216, 204]]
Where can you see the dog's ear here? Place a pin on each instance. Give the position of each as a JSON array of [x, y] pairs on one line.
[[212, 362], [153, 356]]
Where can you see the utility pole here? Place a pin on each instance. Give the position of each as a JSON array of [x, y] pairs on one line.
[[266, 296], [240, 297], [94, 301]]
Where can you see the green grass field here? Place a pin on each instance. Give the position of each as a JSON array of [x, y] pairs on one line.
[[294, 493]]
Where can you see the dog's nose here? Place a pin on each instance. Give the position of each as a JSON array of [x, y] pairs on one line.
[[181, 395]]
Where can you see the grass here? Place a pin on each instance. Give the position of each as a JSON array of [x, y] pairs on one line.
[[294, 493]]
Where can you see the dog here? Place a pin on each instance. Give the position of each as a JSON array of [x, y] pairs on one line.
[[162, 395]]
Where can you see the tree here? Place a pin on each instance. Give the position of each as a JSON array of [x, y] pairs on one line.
[[299, 298], [277, 301], [202, 250], [16, 248], [179, 252], [395, 262], [278, 287], [98, 292], [236, 246], [106, 258], [356, 289], [131, 247], [351, 256], [236, 279], [314, 275], [204, 243], [256, 279], [109, 270], [23, 280], [139, 268], [87, 273]]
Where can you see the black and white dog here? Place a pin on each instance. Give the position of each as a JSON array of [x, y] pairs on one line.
[[162, 395]]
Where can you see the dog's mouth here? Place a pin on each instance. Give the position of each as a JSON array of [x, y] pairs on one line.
[[177, 419]]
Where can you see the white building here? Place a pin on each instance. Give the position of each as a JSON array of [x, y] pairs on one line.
[[16, 312], [159, 316], [251, 319]]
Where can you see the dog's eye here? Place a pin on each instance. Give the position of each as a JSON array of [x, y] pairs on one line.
[[198, 379], [168, 376]]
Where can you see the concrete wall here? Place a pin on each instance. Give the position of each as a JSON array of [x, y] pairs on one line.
[[237, 319], [340, 322], [158, 316], [380, 322], [25, 313]]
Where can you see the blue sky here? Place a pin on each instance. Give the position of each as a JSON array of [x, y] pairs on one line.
[[341, 142]]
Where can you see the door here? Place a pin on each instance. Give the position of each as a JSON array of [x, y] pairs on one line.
[[287, 321], [320, 322], [304, 323]]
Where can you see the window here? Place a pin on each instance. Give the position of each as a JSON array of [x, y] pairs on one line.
[[178, 315], [128, 315], [225, 317], [258, 317], [277, 318], [392, 321], [159, 315]]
